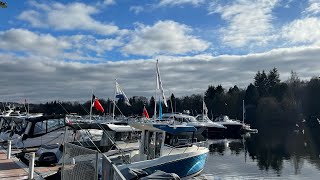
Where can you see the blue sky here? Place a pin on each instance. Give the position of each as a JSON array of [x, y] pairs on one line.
[[47, 40]]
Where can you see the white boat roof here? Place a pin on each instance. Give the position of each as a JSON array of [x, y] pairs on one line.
[[121, 128], [160, 127], [225, 120]]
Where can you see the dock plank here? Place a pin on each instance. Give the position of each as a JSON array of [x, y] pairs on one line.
[[9, 169]]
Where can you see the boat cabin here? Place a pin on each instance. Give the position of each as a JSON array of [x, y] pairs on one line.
[[180, 118], [40, 126], [155, 136]]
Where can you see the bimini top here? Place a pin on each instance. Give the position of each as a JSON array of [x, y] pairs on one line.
[[172, 129]]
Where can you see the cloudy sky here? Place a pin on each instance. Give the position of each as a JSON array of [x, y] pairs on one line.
[[65, 49]]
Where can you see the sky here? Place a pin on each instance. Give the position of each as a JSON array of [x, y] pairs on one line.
[[64, 50]]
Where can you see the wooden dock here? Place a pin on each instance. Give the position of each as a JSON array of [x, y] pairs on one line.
[[14, 169], [11, 169]]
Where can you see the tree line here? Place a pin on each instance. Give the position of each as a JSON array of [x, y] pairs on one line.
[[268, 101]]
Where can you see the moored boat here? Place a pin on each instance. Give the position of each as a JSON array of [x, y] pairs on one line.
[[168, 148]]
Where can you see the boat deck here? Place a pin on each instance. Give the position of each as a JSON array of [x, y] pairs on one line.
[[14, 169]]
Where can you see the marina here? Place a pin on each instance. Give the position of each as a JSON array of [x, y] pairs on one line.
[[168, 145], [47, 160], [160, 90]]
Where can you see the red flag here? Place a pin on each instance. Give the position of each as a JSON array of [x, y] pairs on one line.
[[145, 112], [97, 104], [68, 121]]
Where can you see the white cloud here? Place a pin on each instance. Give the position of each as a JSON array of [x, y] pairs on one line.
[[136, 9], [27, 41], [73, 16], [164, 37], [180, 2], [305, 30], [87, 42], [314, 7], [40, 80], [76, 47], [249, 22], [109, 2], [33, 17]]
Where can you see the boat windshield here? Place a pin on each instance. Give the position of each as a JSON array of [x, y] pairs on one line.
[[180, 117], [48, 125], [201, 118], [222, 119]]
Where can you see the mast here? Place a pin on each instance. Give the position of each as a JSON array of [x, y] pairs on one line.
[[203, 108], [91, 105], [243, 109], [171, 104], [114, 99]]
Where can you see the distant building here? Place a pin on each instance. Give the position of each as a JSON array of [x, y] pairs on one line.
[[141, 98]]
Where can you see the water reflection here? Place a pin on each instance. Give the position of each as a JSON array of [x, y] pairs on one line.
[[272, 153], [219, 146]]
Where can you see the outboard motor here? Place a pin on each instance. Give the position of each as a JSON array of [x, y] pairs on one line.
[[48, 154]]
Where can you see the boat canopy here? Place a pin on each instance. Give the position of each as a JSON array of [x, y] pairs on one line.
[[44, 118]]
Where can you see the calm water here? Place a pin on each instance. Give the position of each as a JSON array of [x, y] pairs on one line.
[[271, 155]]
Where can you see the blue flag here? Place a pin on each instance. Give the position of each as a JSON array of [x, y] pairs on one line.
[[160, 110]]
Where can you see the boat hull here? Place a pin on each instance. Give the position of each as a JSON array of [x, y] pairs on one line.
[[232, 131], [215, 132], [184, 166]]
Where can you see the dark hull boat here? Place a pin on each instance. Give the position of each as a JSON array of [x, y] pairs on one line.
[[213, 130], [205, 127], [233, 129]]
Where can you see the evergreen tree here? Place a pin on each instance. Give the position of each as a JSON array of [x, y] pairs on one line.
[[273, 79], [251, 95], [261, 83]]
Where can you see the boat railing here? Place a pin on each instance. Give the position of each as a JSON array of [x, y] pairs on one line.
[[110, 170], [186, 146], [201, 144]]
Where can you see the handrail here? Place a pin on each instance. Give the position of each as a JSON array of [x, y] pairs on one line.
[[186, 146], [114, 169]]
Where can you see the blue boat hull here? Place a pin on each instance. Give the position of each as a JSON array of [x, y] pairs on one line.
[[183, 168]]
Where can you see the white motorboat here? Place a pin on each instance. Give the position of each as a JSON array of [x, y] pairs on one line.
[[205, 128], [168, 148]]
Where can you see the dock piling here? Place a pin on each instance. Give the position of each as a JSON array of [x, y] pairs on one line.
[[31, 165], [9, 150]]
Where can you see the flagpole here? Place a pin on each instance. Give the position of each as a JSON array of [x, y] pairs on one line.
[[91, 104], [114, 98], [155, 96]]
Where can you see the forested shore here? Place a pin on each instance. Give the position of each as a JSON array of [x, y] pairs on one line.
[[268, 101]]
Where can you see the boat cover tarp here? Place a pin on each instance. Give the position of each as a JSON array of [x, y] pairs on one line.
[[135, 174], [161, 175]]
